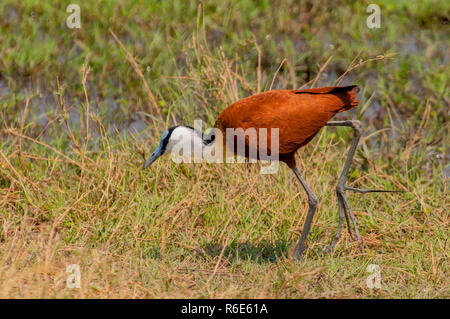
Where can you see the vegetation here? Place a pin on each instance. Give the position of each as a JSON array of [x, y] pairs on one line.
[[81, 108]]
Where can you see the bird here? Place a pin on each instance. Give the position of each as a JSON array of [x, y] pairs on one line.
[[298, 115]]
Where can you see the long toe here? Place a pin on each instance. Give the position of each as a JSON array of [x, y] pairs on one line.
[[365, 191]]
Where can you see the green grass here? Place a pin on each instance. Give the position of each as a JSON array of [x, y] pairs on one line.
[[73, 192]]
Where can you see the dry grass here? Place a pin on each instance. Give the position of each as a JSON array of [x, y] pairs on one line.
[[74, 193], [204, 230]]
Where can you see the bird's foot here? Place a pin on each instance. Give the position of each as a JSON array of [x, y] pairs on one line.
[[346, 211]]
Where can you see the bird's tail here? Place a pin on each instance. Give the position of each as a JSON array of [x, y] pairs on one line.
[[346, 94], [350, 92]]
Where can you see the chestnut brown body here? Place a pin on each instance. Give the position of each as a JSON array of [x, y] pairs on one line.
[[298, 114]]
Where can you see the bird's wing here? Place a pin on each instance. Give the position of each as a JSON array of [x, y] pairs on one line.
[[298, 115]]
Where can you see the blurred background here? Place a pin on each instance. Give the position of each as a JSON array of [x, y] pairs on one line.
[[80, 108]]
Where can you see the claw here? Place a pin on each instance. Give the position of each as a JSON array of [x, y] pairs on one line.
[[347, 219], [355, 226]]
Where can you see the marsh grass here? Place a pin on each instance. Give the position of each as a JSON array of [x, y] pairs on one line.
[[72, 190]]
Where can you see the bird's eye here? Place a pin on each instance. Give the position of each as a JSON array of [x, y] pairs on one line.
[[209, 138]]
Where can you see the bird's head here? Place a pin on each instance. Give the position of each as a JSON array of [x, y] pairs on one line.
[[180, 136]]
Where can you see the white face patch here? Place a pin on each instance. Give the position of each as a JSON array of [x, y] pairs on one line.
[[185, 144]]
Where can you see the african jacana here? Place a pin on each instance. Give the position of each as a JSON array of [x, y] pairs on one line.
[[299, 115]]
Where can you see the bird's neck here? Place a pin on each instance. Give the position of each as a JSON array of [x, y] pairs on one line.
[[210, 144]]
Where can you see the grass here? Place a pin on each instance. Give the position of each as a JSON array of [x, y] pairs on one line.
[[78, 119]]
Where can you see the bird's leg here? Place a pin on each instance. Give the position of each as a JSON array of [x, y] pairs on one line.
[[344, 206], [312, 201]]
